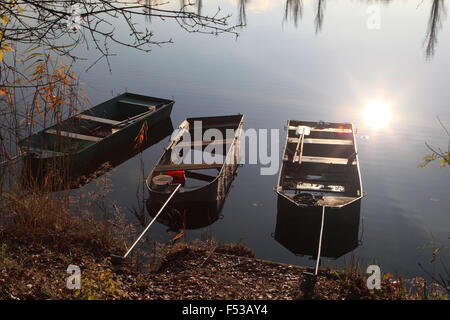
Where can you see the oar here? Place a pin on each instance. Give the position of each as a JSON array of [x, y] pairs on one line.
[[320, 242], [300, 142], [134, 118], [118, 259]]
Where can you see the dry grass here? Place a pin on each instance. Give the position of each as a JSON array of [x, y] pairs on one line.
[[43, 232], [55, 218]]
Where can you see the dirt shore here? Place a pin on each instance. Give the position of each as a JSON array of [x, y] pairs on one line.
[[38, 271]]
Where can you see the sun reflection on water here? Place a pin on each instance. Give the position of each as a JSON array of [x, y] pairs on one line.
[[377, 114]]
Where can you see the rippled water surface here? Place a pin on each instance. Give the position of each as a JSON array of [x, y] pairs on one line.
[[328, 66]]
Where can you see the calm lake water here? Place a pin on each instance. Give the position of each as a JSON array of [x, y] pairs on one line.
[[329, 70]]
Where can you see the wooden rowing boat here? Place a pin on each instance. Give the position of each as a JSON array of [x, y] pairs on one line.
[[79, 141], [108, 161], [188, 215], [202, 182], [319, 175], [320, 165]]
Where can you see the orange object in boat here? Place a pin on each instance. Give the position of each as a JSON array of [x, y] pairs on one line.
[[177, 175]]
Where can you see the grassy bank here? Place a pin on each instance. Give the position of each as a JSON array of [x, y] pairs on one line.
[[37, 270], [42, 233]]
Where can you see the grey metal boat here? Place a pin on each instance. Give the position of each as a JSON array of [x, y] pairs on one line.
[[202, 182]]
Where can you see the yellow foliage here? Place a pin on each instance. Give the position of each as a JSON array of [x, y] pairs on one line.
[[4, 19], [142, 135], [99, 282]]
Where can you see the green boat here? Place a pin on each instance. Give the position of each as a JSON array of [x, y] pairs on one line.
[[76, 143]]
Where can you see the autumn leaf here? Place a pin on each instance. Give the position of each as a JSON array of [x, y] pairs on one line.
[[3, 47], [179, 235], [4, 19], [139, 139], [37, 107], [435, 253], [81, 90], [428, 159]]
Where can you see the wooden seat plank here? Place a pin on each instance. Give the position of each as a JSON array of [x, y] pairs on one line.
[[43, 152], [136, 103], [183, 166], [323, 141], [335, 130], [204, 143], [73, 135], [330, 141], [326, 160], [97, 119]]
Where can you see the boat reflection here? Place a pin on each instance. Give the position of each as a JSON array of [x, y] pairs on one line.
[[187, 215], [298, 229], [102, 164]]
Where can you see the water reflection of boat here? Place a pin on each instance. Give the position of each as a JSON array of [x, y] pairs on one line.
[[76, 142], [319, 190], [205, 181], [107, 161], [298, 229], [188, 215]]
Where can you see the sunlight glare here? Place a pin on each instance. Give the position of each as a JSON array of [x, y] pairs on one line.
[[377, 114]]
